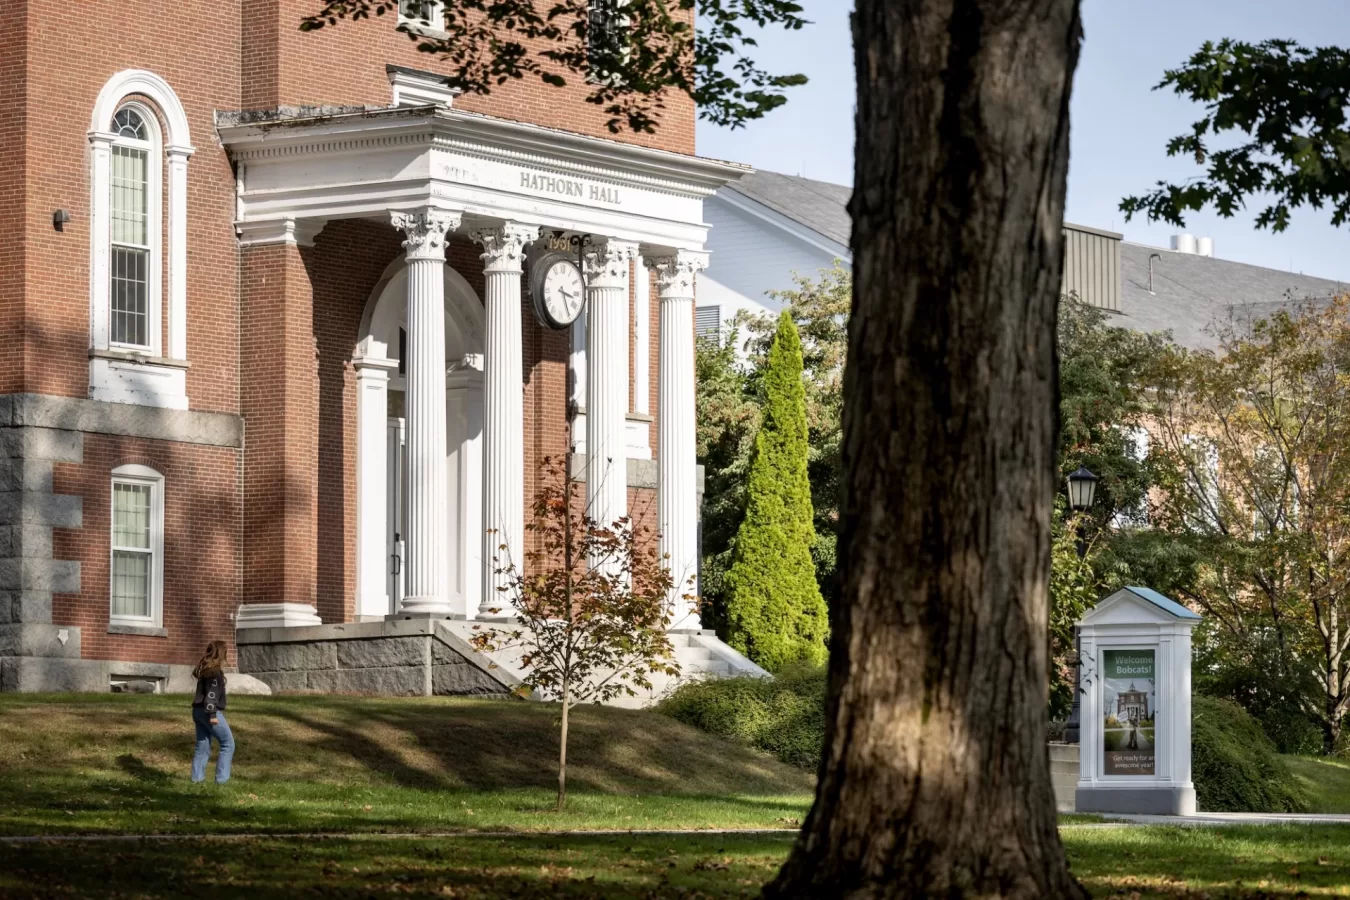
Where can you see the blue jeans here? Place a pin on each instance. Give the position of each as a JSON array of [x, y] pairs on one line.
[[205, 731]]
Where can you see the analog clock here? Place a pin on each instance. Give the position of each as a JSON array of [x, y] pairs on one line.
[[558, 291]]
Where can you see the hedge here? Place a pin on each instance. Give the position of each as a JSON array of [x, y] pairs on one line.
[[1234, 765], [784, 716]]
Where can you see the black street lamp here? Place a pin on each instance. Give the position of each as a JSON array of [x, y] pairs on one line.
[[1082, 491]]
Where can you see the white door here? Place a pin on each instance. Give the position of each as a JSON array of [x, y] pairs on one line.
[[396, 494]]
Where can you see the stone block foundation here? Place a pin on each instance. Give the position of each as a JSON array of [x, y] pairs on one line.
[[407, 657]]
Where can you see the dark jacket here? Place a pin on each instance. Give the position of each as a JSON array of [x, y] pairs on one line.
[[210, 694]]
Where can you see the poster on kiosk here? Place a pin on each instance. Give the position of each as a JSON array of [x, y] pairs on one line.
[[1136, 693]]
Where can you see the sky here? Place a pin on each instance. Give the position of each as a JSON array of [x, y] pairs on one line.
[[1119, 125]]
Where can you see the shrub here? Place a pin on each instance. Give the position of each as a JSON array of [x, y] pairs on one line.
[[775, 612], [1234, 765], [784, 716]]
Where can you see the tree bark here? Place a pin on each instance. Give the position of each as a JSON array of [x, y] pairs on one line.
[[935, 779], [562, 750]]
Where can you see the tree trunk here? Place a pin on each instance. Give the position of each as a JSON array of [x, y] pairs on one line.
[[562, 750], [1331, 734], [935, 778]]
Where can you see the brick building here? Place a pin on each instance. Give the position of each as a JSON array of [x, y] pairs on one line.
[[291, 328]]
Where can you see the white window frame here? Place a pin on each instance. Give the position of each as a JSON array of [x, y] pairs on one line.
[[141, 476], [153, 374], [619, 21], [435, 20], [154, 228]]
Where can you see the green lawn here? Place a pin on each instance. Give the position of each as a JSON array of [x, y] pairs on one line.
[[119, 763], [1128, 862], [1325, 781]]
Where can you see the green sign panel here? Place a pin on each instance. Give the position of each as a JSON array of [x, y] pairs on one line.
[[1129, 700]]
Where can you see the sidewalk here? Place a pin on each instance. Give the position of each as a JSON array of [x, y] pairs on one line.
[[1222, 818]]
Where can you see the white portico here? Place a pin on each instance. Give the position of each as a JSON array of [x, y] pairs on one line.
[[441, 487]]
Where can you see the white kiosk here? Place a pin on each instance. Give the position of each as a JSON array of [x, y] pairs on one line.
[[1136, 705]]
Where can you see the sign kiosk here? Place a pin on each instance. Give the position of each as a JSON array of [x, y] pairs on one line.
[[1135, 755]]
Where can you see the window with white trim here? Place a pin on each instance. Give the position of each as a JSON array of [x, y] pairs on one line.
[[606, 38], [137, 562], [134, 228], [423, 13]]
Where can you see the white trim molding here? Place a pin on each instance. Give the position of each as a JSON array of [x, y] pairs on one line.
[[131, 380], [363, 164]]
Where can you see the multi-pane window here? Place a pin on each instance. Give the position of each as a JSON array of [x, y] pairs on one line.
[[137, 545], [129, 288], [605, 31], [421, 12], [132, 554]]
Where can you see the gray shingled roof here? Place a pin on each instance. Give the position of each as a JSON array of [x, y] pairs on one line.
[[819, 205], [1192, 293]]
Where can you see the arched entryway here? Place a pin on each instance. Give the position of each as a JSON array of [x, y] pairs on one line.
[[381, 486]]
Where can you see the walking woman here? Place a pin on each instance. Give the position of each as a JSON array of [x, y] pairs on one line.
[[208, 714]]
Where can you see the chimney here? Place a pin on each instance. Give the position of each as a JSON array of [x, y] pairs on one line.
[[1189, 243]]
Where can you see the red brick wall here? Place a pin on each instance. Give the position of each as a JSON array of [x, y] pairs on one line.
[[201, 547], [281, 435], [61, 90], [345, 65], [13, 197]]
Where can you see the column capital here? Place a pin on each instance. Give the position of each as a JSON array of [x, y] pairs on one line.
[[675, 273], [424, 231], [504, 245], [606, 262]]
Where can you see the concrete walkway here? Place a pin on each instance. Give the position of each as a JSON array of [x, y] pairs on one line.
[[1222, 818]]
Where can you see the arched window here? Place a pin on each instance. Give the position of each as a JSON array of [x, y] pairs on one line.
[[135, 228], [137, 224]]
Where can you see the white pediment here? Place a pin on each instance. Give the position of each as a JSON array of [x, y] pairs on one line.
[[1133, 606], [350, 163]]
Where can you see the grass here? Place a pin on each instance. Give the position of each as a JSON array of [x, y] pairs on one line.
[[119, 764], [1267, 862], [1325, 781]]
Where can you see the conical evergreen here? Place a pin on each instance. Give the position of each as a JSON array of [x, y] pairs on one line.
[[775, 613]]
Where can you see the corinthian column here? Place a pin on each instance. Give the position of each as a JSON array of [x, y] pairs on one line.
[[677, 508], [427, 578], [503, 410], [606, 263]]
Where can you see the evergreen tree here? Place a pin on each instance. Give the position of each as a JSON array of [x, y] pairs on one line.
[[775, 611]]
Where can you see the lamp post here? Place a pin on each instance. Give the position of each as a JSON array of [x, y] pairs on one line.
[[1082, 491]]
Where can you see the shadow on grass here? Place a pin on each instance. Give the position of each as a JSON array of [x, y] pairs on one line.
[[1268, 861], [484, 868], [137, 769]]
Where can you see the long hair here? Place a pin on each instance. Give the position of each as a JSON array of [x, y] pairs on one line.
[[213, 661]]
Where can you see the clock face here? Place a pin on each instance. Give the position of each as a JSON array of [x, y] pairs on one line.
[[563, 293]]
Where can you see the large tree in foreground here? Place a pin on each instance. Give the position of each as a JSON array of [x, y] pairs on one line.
[[935, 779]]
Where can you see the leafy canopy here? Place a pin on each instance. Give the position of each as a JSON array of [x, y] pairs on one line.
[[1289, 103], [630, 52]]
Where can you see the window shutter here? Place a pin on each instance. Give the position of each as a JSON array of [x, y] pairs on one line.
[[708, 321]]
